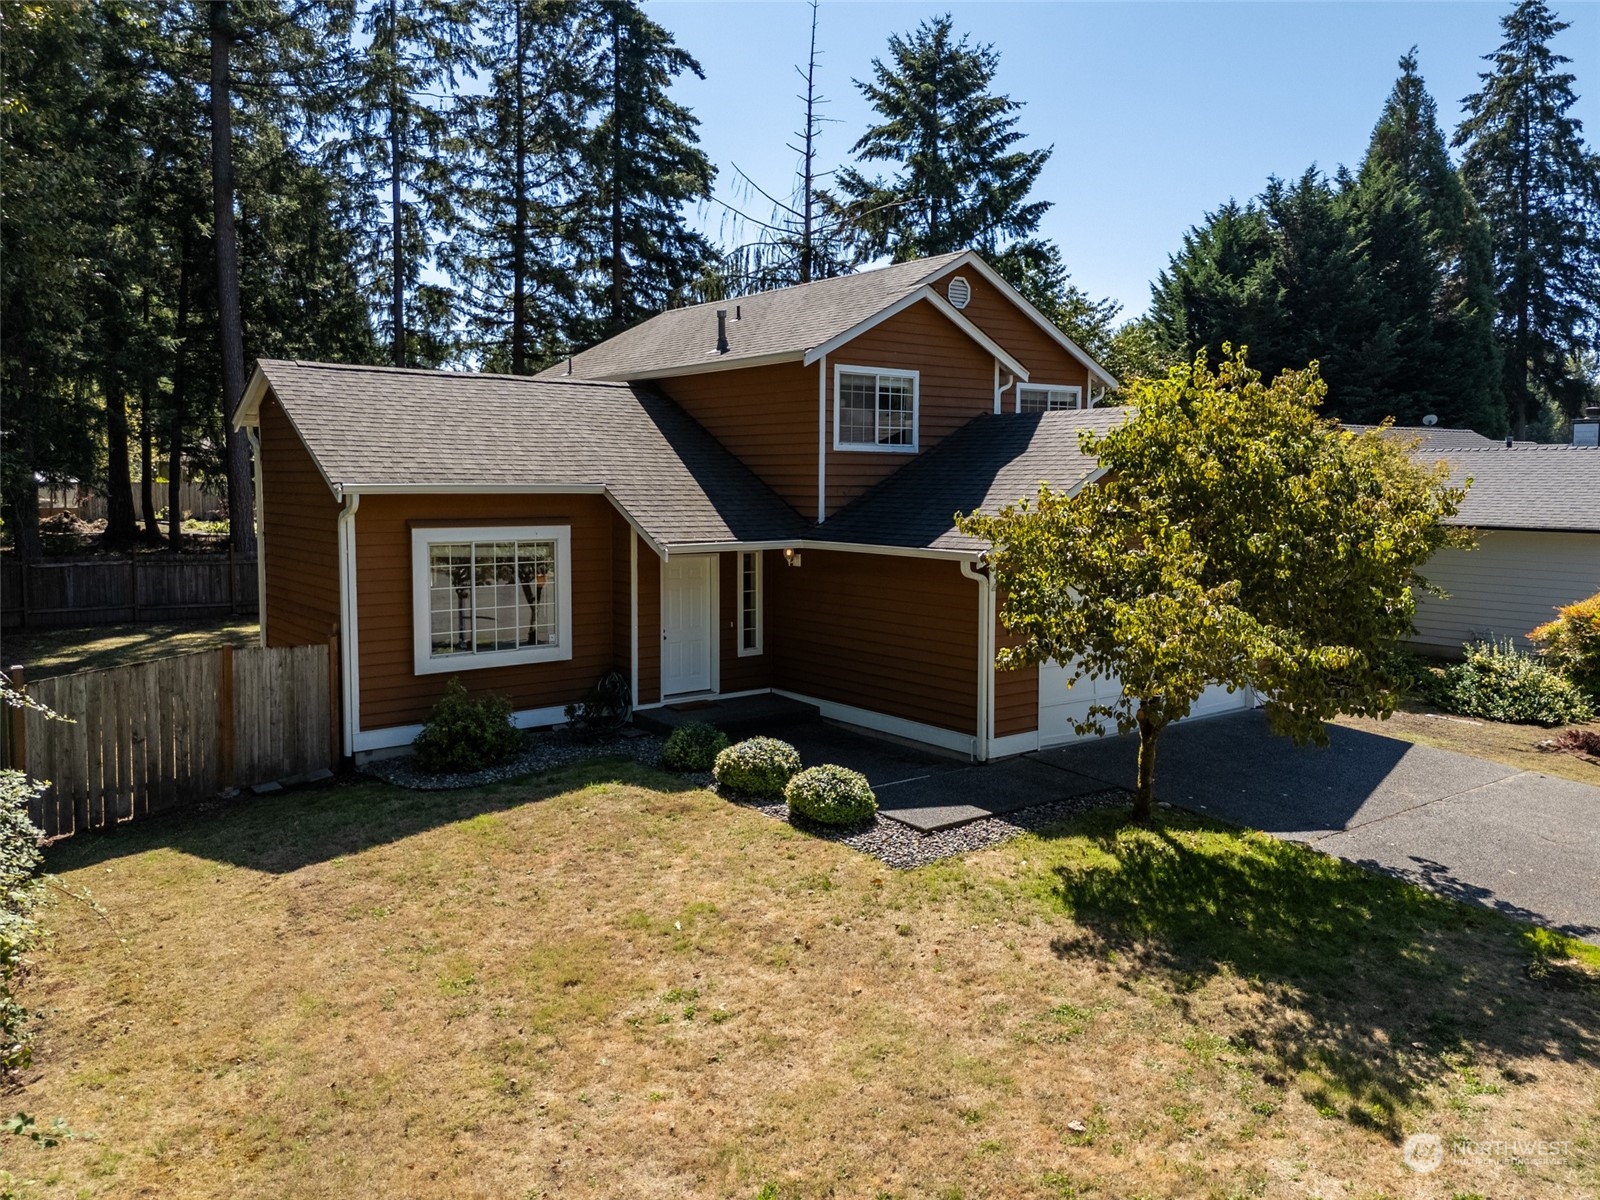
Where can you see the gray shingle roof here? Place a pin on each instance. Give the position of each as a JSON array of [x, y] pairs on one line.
[[386, 427], [1433, 437], [1529, 486], [988, 463], [788, 321]]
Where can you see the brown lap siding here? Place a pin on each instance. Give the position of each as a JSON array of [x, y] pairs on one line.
[[299, 538], [890, 634], [740, 673], [391, 692], [1047, 361]]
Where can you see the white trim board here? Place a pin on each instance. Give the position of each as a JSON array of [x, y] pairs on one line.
[[397, 736], [866, 718]]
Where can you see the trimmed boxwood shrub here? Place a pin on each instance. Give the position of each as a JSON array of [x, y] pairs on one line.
[[832, 795], [693, 747], [466, 733], [1500, 683], [758, 766]]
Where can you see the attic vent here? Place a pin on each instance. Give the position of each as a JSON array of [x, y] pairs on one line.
[[959, 291]]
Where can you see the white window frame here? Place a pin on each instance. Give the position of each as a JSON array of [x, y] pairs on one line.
[[424, 662], [758, 601], [839, 371], [1075, 388]]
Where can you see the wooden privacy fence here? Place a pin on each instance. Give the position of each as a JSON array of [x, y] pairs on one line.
[[158, 735], [140, 587]]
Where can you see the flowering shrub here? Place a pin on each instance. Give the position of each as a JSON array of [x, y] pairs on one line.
[[758, 766], [832, 795]]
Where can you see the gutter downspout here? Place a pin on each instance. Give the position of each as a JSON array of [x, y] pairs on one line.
[[349, 682], [999, 396], [985, 728], [253, 433], [822, 439]]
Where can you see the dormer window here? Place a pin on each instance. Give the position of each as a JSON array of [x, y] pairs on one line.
[[875, 410], [1035, 399]]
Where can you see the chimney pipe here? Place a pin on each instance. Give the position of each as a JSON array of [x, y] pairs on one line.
[[722, 331], [1509, 441], [738, 312], [569, 364]]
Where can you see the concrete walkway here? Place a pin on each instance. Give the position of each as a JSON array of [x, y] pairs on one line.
[[1519, 842]]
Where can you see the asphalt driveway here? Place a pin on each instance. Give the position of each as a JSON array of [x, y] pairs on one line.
[[1522, 843]]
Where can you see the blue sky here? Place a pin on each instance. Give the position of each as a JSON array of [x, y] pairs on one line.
[[1157, 111]]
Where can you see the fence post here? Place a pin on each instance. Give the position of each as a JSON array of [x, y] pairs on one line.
[[17, 716], [225, 746], [133, 585], [335, 715]]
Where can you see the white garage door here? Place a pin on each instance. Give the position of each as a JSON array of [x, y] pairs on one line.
[[1059, 706]]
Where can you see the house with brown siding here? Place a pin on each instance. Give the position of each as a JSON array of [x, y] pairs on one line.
[[751, 496]]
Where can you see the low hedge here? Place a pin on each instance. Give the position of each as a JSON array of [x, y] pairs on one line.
[[1500, 683], [831, 795], [758, 766], [466, 733], [693, 747]]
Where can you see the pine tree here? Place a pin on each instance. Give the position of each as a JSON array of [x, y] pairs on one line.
[[1538, 185], [644, 163], [1424, 253], [962, 183], [1218, 287], [520, 195]]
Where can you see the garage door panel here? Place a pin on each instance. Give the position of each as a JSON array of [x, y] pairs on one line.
[[1060, 706]]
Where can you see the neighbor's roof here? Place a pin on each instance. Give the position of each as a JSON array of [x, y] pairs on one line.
[[1433, 437], [785, 324], [988, 463], [387, 429], [1529, 486]]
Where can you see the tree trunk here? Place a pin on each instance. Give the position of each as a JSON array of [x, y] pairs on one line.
[[616, 174], [180, 402], [147, 466], [1144, 794], [122, 523], [22, 498], [230, 325], [397, 291], [519, 237]]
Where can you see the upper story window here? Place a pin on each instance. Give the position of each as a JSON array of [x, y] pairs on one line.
[[490, 596], [1034, 399], [874, 409]]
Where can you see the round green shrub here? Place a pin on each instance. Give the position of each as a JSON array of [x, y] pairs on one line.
[[832, 795], [693, 747], [758, 766], [466, 733], [1500, 683]]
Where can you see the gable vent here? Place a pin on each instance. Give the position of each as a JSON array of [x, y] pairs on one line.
[[959, 291]]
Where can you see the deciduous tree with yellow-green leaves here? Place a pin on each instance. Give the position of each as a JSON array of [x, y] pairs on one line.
[[1235, 538]]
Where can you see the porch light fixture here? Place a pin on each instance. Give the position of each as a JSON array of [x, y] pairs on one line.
[[790, 558]]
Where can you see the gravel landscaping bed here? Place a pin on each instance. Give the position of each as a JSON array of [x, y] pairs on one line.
[[903, 847], [545, 751]]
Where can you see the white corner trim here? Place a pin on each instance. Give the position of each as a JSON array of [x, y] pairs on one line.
[[1013, 744], [253, 435], [349, 637], [844, 447], [971, 259], [925, 292], [986, 655], [394, 736], [866, 718], [423, 660], [822, 439], [633, 606]]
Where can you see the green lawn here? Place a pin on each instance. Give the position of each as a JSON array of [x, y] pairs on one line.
[[603, 983]]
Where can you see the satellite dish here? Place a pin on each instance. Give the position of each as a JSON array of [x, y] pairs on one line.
[[1430, 420]]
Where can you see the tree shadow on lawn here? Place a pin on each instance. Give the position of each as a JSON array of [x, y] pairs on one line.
[[1375, 988], [285, 831]]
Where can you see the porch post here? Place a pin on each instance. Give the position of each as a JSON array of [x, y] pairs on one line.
[[633, 605]]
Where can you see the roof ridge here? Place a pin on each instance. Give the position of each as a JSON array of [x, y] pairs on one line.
[[442, 372]]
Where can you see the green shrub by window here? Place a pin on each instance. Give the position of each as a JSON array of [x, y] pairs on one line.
[[466, 733], [832, 795], [1571, 643], [1500, 683], [758, 766], [693, 747]]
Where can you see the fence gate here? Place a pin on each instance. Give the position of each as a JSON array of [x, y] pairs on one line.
[[174, 731]]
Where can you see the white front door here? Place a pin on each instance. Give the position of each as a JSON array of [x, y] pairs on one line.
[[686, 624]]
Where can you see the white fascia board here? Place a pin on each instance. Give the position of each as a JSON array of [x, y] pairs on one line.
[[477, 489], [249, 411], [899, 306], [719, 362], [803, 544], [971, 259]]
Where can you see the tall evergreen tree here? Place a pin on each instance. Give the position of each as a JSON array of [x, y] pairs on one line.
[[1218, 287], [644, 163], [521, 189], [962, 183], [1425, 258], [1538, 185]]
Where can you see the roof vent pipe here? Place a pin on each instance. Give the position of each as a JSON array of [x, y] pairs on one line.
[[569, 364], [738, 310], [722, 331], [1509, 441]]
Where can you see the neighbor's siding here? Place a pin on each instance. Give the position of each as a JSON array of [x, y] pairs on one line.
[[956, 384], [767, 416], [391, 692], [890, 634], [1048, 362], [1513, 581], [752, 671], [299, 538]]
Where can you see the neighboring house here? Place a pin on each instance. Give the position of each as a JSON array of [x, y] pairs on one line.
[[727, 499], [1536, 510]]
